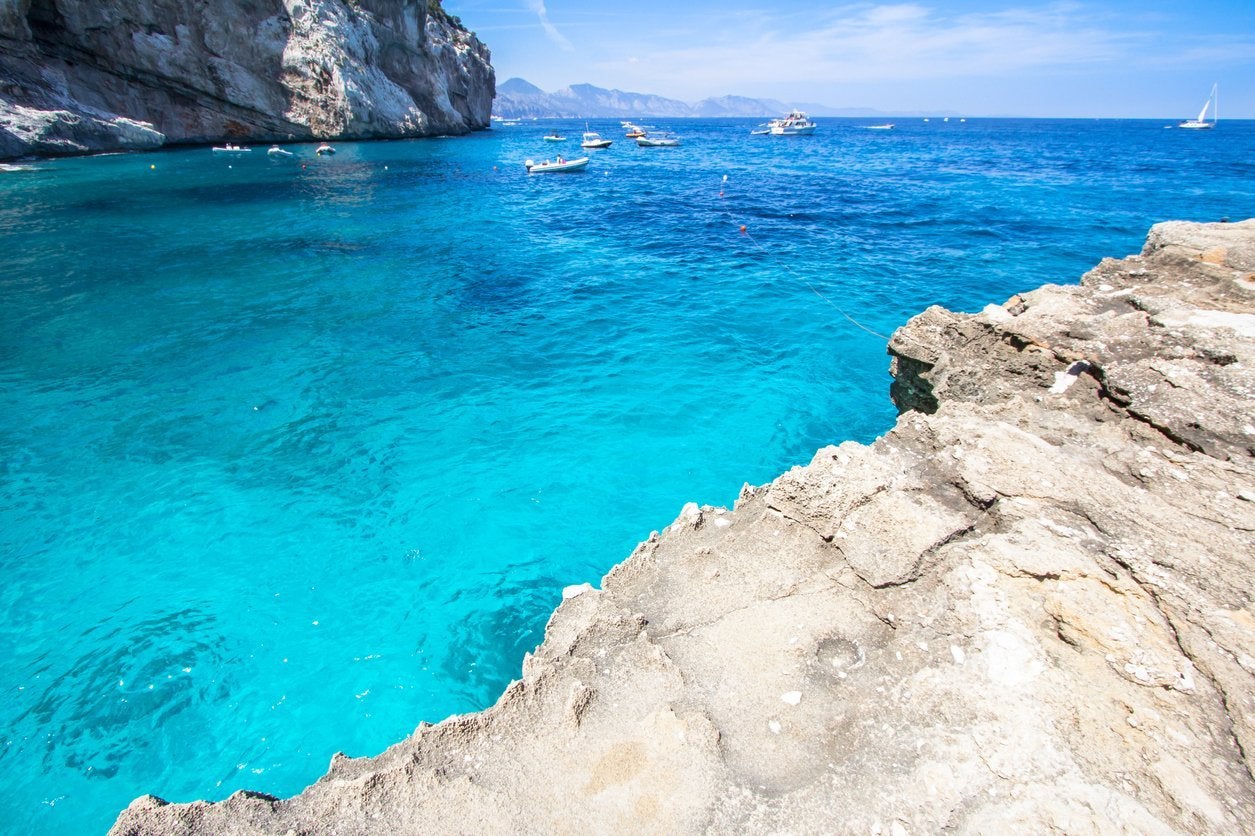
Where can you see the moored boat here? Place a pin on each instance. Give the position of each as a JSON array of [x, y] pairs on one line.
[[592, 139], [276, 151], [555, 137], [228, 148], [795, 124], [555, 165], [325, 149], [661, 139], [1201, 122]]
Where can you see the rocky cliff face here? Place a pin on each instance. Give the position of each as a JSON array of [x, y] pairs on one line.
[[1027, 608], [79, 75]]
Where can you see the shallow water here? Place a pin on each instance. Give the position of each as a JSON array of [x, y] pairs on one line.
[[297, 453]]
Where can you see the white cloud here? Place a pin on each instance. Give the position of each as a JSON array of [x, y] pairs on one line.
[[542, 14], [898, 42]]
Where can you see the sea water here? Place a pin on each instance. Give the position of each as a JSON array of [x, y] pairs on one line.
[[298, 452]]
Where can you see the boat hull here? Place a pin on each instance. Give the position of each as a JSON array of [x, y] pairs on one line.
[[1200, 122], [555, 168]]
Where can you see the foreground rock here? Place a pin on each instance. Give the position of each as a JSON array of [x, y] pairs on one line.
[[81, 75], [1027, 608]]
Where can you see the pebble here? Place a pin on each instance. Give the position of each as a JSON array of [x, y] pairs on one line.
[[791, 697]]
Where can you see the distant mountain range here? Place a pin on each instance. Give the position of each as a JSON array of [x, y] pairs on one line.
[[520, 99]]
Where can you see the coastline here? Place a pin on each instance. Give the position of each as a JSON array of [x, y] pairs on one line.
[[1026, 606], [320, 70]]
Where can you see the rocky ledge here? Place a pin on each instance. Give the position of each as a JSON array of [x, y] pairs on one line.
[[1026, 608], [78, 76]]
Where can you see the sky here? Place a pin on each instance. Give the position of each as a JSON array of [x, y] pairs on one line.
[[1106, 58]]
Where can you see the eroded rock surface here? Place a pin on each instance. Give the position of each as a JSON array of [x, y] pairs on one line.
[[1027, 608], [82, 75]]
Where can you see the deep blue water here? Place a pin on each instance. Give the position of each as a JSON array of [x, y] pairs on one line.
[[297, 453]]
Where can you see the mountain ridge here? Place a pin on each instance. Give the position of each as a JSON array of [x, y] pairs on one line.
[[518, 98]]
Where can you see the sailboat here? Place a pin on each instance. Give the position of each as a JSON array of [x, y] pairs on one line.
[[1201, 121]]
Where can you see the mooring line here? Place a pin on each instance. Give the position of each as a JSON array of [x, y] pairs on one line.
[[745, 231]]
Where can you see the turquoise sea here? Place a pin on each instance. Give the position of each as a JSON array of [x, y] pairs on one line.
[[296, 453]]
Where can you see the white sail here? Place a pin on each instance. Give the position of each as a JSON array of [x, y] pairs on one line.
[[1202, 114], [1201, 121]]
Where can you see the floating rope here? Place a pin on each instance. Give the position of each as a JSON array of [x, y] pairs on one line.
[[781, 265]]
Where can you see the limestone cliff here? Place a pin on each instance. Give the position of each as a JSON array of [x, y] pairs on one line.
[[1027, 608], [79, 75]]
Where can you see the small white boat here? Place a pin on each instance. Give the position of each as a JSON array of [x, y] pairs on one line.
[[325, 149], [592, 139], [276, 151], [228, 148], [555, 165], [555, 137], [1201, 122], [888, 126], [795, 124], [662, 139]]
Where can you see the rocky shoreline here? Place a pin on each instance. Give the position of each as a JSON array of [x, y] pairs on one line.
[[1026, 608], [79, 77]]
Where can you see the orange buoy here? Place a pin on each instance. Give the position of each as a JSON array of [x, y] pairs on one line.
[[742, 229]]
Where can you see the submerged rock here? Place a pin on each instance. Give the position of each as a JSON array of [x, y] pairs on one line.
[[1026, 608], [79, 76]]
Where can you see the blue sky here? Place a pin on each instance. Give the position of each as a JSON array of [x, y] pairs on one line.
[[1112, 58]]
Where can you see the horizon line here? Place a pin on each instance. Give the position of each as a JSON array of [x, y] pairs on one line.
[[952, 115]]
